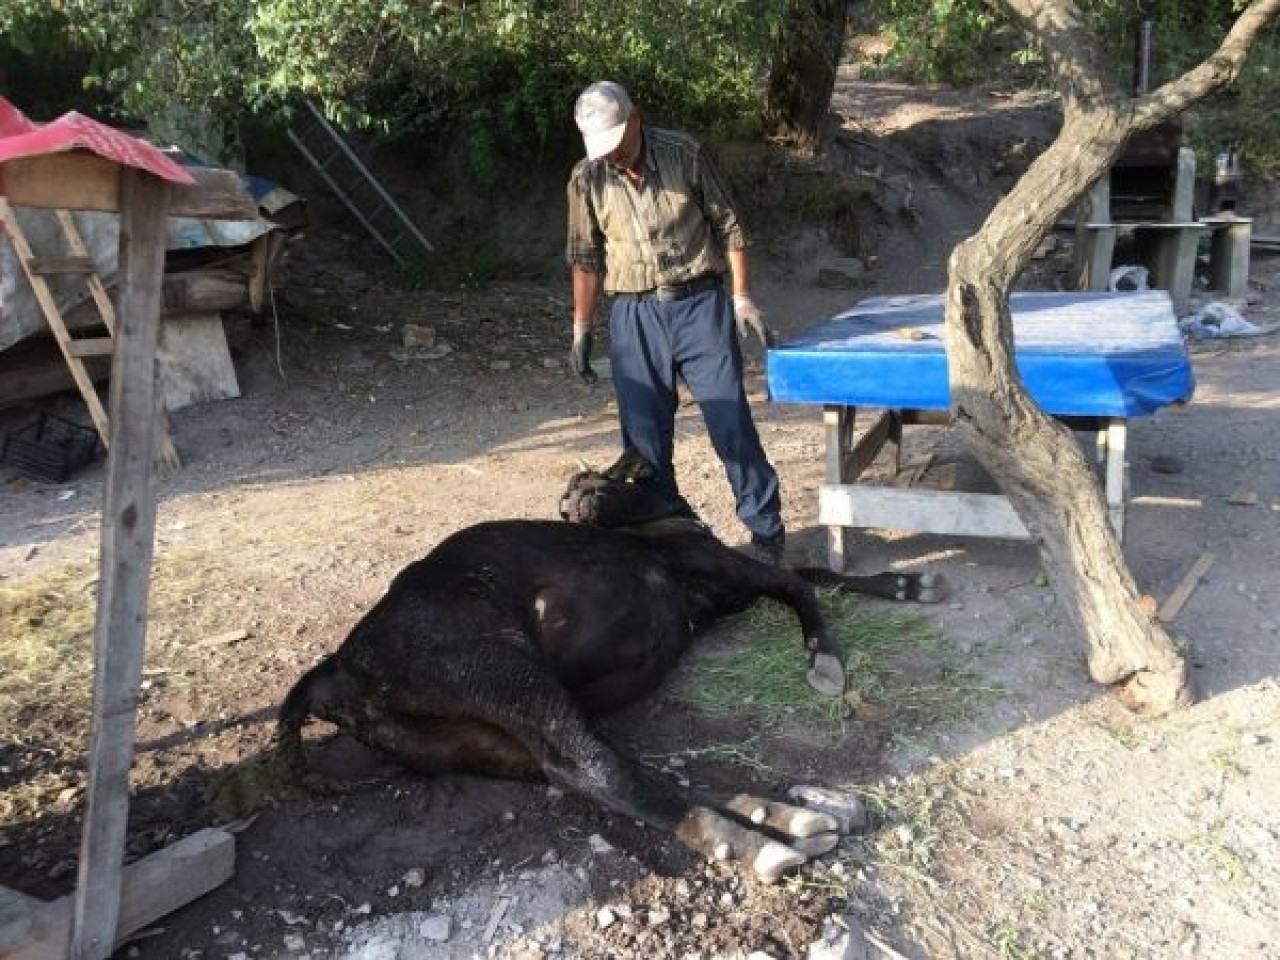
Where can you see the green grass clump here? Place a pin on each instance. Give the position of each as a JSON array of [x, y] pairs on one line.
[[897, 664]]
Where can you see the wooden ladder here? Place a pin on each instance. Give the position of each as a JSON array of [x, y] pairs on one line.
[[357, 187], [79, 262]]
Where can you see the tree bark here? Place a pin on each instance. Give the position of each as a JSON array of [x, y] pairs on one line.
[[803, 71], [1036, 460]]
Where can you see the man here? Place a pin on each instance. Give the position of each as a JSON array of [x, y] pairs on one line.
[[651, 223]]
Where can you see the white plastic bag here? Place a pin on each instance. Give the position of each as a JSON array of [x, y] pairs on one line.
[[1216, 320], [1129, 279]]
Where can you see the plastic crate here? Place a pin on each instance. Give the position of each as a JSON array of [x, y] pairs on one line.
[[50, 448]]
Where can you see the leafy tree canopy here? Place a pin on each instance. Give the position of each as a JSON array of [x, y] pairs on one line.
[[506, 68], [506, 71]]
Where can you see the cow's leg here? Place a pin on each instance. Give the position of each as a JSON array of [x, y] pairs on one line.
[[450, 746], [750, 578], [920, 587], [504, 687]]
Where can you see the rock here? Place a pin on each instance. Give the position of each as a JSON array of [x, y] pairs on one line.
[[605, 918], [844, 273], [437, 928], [416, 335], [599, 845], [844, 940], [414, 878], [294, 942]]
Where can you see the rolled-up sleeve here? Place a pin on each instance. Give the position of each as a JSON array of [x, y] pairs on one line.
[[718, 204], [585, 246]]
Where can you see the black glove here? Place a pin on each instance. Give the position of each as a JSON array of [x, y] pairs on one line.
[[580, 356]]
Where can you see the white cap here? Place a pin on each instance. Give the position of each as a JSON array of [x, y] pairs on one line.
[[601, 113]]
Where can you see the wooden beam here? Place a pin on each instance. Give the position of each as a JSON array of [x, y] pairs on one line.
[[868, 447], [152, 888], [81, 180], [78, 180], [128, 527], [208, 290], [35, 368], [1170, 608], [945, 512], [216, 195]]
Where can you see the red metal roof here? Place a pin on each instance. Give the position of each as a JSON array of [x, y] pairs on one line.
[[21, 137]]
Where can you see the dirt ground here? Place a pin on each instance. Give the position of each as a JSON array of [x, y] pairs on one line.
[[1040, 820]]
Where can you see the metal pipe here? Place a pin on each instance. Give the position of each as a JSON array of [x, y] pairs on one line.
[[1142, 68]]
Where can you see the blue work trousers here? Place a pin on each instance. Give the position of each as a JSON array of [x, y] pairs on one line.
[[653, 343]]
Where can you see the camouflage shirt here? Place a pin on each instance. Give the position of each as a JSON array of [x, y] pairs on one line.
[[674, 227]]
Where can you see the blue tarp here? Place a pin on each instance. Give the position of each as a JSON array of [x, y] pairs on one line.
[[1081, 354]]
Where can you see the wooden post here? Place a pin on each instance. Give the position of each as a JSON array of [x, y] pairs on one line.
[[837, 425], [128, 526]]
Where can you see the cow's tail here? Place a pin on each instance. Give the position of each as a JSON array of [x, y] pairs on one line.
[[294, 712]]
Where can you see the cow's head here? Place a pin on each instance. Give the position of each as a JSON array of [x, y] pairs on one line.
[[621, 496]]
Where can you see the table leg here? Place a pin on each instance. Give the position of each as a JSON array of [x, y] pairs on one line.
[[837, 425], [1116, 435]]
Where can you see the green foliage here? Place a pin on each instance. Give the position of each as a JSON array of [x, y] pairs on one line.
[[951, 41], [1243, 117], [499, 72], [498, 77]]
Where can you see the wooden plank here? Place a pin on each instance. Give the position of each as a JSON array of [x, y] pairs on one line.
[[77, 180], [1115, 474], [868, 446], [80, 180], [837, 425], [204, 291], [911, 475], [194, 362], [944, 512], [216, 195], [151, 889], [51, 266], [90, 347], [1170, 608], [128, 527], [35, 368]]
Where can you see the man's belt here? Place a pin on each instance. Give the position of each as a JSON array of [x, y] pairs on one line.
[[679, 291]]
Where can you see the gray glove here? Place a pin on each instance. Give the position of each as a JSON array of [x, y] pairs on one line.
[[580, 356], [750, 320]]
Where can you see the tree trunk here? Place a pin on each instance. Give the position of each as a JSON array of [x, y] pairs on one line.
[[803, 71], [1036, 460]]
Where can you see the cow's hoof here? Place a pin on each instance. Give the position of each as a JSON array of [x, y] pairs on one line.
[[826, 675], [921, 587], [816, 846], [775, 859], [933, 587], [849, 809]]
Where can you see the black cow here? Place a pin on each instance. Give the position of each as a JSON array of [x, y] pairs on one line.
[[489, 654]]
